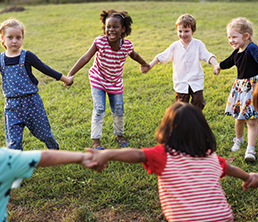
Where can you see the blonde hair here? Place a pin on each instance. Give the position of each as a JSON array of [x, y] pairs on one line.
[[10, 23], [186, 20], [241, 25]]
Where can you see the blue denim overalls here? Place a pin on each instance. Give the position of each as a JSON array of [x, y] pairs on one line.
[[23, 107]]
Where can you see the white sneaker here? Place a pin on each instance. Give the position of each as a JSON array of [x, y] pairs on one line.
[[17, 183], [250, 155], [237, 144]]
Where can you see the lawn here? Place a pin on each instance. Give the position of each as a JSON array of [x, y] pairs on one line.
[[59, 35]]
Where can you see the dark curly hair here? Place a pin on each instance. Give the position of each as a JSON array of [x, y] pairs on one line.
[[184, 129], [125, 19]]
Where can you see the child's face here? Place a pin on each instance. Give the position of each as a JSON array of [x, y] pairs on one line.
[[238, 40], [13, 39], [185, 34], [114, 29]]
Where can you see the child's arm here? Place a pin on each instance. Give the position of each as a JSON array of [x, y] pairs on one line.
[[128, 155], [254, 182], [217, 69], [215, 63], [145, 69], [83, 60], [55, 157], [67, 80], [238, 173], [135, 56]]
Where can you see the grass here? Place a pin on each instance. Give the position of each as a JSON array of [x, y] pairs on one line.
[[59, 35]]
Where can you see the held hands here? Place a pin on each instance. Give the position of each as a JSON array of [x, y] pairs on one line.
[[252, 182], [216, 70], [145, 68], [68, 80], [100, 158]]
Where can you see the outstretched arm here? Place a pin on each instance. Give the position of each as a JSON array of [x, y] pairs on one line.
[[239, 173], [215, 63], [127, 155], [55, 157], [145, 69], [83, 61]]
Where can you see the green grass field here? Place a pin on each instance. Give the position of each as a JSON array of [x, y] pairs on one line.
[[59, 35]]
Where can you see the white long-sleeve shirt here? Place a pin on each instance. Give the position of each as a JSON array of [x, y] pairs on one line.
[[187, 69]]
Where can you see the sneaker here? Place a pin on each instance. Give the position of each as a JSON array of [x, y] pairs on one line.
[[250, 156], [17, 183], [237, 144], [97, 147]]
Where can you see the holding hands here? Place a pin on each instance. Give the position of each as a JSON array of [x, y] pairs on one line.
[[252, 182]]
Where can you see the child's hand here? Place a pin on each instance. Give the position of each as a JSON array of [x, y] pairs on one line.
[[145, 68], [100, 158], [87, 161], [216, 70], [68, 81], [254, 182]]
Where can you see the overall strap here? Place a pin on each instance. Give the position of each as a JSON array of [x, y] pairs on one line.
[[2, 60], [22, 57]]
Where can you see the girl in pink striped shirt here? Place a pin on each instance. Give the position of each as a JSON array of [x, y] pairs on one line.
[[106, 74], [187, 166]]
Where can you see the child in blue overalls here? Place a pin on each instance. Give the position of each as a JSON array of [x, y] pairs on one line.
[[23, 106]]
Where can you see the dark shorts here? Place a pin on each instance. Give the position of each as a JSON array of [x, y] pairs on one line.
[[197, 98]]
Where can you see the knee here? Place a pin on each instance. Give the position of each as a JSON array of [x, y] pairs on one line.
[[118, 109], [252, 123]]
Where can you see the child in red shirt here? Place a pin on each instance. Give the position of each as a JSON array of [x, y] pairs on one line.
[[187, 166]]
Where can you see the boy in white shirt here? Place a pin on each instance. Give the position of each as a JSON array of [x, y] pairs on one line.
[[186, 53]]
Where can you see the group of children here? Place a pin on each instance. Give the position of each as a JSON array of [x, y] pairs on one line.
[[185, 161]]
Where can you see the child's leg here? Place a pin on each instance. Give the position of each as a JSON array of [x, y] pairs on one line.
[[252, 135], [239, 128], [197, 98], [37, 121], [181, 97], [98, 114], [117, 107], [14, 127]]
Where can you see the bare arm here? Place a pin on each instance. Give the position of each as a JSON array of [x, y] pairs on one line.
[[55, 157], [127, 155], [238, 173], [135, 56], [145, 69], [83, 60]]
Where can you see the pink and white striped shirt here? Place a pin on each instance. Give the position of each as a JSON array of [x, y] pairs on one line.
[[107, 70], [189, 187]]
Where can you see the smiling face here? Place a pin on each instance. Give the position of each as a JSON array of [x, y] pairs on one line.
[[13, 39], [185, 34], [238, 40], [114, 29]]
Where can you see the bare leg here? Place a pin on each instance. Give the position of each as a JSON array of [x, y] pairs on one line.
[[239, 128], [252, 131]]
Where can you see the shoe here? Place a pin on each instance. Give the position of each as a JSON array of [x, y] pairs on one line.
[[17, 183], [250, 156], [123, 142], [97, 147], [237, 144]]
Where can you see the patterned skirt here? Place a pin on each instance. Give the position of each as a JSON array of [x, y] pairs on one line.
[[240, 100]]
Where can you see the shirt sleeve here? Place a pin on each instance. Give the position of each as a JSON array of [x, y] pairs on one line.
[[223, 165], [253, 48], [42, 67], [156, 159], [229, 62], [205, 55], [167, 55], [18, 164]]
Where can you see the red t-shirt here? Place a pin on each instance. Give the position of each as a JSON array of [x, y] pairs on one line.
[[189, 187]]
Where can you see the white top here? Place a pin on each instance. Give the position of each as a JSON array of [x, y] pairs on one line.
[[187, 69]]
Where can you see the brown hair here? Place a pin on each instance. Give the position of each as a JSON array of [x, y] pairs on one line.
[[10, 23], [186, 20], [241, 25], [184, 129]]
